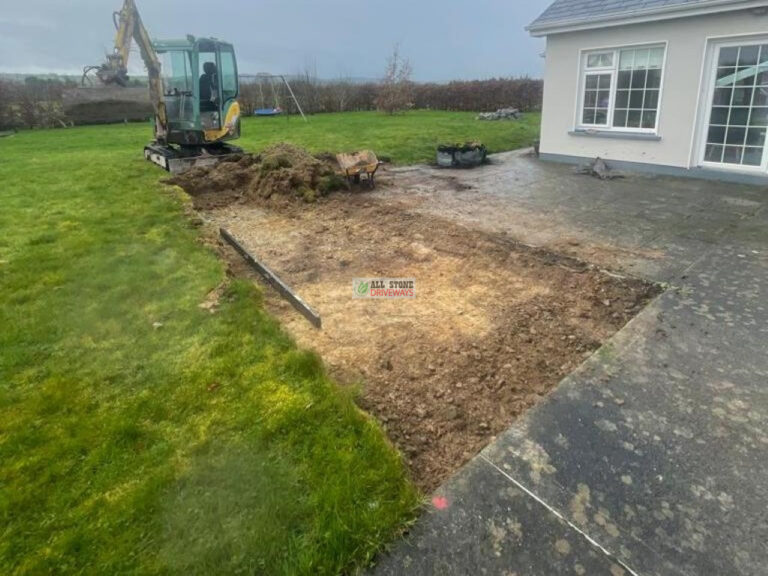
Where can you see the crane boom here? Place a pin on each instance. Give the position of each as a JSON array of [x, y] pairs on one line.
[[115, 69]]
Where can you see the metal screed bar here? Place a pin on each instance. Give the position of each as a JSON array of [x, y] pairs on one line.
[[272, 279]]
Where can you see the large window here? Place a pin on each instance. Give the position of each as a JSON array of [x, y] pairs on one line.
[[622, 89], [738, 117]]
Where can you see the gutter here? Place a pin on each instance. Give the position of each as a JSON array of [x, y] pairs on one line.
[[642, 16]]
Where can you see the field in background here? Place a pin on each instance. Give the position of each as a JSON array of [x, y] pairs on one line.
[[139, 432]]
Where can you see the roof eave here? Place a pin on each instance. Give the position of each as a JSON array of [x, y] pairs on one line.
[[642, 16]]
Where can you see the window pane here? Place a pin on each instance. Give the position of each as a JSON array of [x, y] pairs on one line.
[[719, 116], [638, 78], [604, 81], [657, 58], [716, 135], [728, 57], [748, 55], [736, 136], [764, 53], [600, 60], [739, 117], [654, 79], [228, 75], [649, 119], [732, 154], [726, 76], [633, 119], [589, 116], [722, 96], [601, 116], [746, 76], [622, 98], [742, 96], [753, 156], [625, 77], [641, 58], [590, 98], [591, 82], [762, 75], [626, 60], [713, 153], [651, 99], [603, 98], [620, 118], [756, 136], [636, 99], [759, 117], [760, 98]]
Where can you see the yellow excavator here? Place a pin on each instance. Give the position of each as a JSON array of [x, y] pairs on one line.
[[193, 86]]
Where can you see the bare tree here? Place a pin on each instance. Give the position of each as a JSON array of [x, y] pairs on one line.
[[395, 93], [341, 91], [7, 97]]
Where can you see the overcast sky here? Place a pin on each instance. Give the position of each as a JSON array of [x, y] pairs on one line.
[[444, 40]]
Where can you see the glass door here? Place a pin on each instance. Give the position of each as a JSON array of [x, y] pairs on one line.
[[738, 114]]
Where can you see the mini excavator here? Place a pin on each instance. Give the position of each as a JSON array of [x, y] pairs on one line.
[[193, 86]]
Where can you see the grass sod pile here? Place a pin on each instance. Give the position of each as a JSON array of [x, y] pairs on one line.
[[140, 433]]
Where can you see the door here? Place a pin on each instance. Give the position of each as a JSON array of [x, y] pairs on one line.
[[737, 119]]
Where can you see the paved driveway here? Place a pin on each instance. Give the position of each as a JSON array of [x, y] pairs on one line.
[[651, 458]]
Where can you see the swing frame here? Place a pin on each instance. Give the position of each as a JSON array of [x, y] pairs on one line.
[[272, 78]]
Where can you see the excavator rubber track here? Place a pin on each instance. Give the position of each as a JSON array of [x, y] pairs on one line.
[[178, 160]]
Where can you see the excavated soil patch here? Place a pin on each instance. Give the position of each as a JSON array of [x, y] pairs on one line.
[[279, 174], [494, 325]]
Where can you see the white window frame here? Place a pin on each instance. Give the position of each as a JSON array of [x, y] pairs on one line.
[[583, 72], [710, 73]]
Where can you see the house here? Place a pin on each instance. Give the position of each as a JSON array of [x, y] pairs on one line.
[[675, 87]]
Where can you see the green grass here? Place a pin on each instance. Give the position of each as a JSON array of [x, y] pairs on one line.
[[405, 138], [142, 434]]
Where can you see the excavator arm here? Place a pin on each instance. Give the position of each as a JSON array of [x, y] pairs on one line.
[[115, 69]]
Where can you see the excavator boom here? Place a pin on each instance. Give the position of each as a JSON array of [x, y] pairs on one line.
[[115, 69]]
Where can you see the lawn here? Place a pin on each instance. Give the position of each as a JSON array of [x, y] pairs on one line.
[[140, 433], [405, 138]]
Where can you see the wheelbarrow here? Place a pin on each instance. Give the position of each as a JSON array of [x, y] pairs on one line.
[[359, 164]]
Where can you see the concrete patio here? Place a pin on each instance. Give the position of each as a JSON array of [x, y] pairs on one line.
[[652, 457]]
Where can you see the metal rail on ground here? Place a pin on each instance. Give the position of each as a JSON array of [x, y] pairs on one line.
[[273, 280]]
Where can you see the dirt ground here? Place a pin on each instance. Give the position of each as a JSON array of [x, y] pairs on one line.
[[493, 327]]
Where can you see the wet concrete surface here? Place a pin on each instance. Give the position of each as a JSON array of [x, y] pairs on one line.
[[651, 458]]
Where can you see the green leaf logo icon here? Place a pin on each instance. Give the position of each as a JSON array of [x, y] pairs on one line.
[[362, 288]]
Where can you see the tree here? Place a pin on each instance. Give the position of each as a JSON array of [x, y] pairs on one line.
[[7, 96], [395, 93]]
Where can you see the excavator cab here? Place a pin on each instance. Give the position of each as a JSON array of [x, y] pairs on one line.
[[200, 88]]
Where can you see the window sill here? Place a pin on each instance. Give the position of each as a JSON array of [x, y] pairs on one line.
[[617, 134]]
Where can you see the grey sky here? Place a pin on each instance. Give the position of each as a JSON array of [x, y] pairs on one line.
[[445, 40]]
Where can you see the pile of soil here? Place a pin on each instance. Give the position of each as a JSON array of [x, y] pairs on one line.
[[282, 171]]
